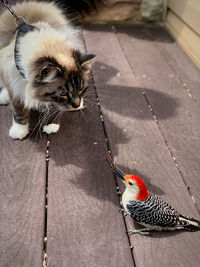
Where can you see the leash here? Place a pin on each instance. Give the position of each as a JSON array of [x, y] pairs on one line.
[[17, 19], [22, 28]]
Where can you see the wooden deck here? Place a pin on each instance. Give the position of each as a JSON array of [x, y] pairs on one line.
[[58, 193]]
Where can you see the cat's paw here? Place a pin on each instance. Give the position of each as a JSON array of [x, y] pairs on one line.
[[51, 128], [4, 96], [18, 131]]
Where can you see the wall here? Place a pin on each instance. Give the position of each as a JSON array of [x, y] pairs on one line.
[[183, 22]]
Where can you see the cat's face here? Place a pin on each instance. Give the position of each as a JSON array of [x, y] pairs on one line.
[[59, 85]]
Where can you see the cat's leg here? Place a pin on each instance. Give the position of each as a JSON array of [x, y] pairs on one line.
[[20, 127], [4, 96]]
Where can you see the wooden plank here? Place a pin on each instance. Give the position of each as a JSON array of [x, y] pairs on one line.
[[185, 36], [22, 183], [188, 11], [137, 143], [85, 226], [179, 122]]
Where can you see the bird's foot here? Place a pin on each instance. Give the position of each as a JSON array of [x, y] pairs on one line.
[[142, 231], [123, 212]]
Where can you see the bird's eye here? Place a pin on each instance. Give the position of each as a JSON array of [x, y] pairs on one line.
[[130, 183]]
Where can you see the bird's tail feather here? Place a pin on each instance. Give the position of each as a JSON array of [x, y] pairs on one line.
[[190, 223]]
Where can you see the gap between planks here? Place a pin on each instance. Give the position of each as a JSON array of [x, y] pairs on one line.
[[45, 264]]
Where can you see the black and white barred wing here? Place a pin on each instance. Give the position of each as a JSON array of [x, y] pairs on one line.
[[155, 211]]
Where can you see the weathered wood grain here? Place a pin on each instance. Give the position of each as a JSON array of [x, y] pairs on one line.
[[180, 63], [85, 225], [136, 141], [22, 183], [181, 129]]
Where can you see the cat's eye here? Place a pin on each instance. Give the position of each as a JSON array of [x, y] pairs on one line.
[[44, 72], [130, 183], [62, 91], [50, 94]]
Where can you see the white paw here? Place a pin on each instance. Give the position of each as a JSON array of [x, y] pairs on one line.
[[4, 96], [18, 131], [51, 128]]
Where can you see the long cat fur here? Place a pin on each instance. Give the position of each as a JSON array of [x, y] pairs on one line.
[[56, 72]]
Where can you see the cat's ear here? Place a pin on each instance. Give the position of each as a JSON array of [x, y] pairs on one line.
[[48, 73], [87, 60]]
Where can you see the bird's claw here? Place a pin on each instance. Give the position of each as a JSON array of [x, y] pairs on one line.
[[123, 212], [138, 231]]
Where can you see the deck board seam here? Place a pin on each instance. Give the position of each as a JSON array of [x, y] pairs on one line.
[[181, 82], [149, 106], [46, 201]]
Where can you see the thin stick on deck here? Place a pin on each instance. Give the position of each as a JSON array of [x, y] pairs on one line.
[[115, 169]]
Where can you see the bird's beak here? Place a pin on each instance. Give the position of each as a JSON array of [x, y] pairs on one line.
[[116, 170], [120, 174]]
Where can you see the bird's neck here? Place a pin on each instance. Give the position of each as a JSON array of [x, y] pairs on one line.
[[143, 194]]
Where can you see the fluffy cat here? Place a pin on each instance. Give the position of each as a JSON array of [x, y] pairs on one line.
[[53, 72]]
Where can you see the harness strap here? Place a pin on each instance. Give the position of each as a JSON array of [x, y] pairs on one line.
[[23, 28]]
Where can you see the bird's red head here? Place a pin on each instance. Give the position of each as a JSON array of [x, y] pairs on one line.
[[133, 180]]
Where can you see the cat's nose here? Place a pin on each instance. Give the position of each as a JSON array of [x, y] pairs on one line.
[[76, 102]]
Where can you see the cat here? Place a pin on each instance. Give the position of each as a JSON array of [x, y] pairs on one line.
[[50, 71]]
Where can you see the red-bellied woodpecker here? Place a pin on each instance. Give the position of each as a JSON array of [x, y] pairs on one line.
[[149, 210]]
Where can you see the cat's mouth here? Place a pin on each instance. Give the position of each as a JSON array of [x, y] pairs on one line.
[[71, 108], [75, 109]]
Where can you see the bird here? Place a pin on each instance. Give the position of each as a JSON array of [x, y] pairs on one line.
[[149, 210]]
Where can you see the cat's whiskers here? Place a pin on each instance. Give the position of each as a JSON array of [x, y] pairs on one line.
[[39, 124], [90, 102], [94, 95], [50, 115], [46, 117], [83, 115], [60, 113], [40, 117]]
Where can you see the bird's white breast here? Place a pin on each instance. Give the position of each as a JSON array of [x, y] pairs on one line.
[[126, 197]]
